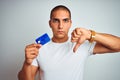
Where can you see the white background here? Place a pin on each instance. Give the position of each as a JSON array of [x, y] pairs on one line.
[[22, 21]]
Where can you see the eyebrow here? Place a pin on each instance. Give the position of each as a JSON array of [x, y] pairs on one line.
[[66, 19], [58, 19]]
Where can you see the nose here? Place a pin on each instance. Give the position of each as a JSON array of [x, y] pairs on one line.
[[60, 25]]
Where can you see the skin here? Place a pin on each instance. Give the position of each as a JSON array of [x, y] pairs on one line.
[[105, 43], [60, 24]]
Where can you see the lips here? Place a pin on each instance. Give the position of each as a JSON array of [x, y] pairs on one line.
[[60, 32]]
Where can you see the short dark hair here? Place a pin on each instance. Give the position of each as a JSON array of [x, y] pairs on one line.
[[60, 7]]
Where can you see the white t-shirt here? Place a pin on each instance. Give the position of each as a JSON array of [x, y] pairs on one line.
[[57, 61]]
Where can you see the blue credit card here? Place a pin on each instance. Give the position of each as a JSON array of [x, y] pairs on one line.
[[43, 39]]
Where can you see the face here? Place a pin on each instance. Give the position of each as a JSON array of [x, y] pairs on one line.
[[60, 24]]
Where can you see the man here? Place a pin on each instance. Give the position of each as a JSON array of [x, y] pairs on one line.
[[63, 58]]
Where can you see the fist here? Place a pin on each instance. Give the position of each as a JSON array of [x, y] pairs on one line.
[[31, 52], [79, 35]]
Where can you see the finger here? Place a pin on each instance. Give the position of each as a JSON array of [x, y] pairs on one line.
[[78, 31], [32, 56], [31, 45], [34, 45], [74, 34], [32, 51], [74, 39]]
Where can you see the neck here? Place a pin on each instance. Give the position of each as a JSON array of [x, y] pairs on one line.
[[60, 40]]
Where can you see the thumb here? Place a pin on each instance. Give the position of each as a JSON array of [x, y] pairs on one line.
[[38, 46], [76, 47], [79, 42]]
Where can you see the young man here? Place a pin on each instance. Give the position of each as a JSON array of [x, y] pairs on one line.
[[63, 58]]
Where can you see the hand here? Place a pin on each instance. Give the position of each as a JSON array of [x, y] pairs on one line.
[[31, 52], [79, 35]]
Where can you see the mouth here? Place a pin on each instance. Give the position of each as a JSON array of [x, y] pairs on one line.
[[60, 32]]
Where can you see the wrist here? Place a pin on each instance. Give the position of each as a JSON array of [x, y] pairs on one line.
[[92, 36], [28, 61]]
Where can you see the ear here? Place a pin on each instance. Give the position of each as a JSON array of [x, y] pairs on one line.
[[71, 21]]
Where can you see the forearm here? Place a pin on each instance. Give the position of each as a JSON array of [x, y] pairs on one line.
[[109, 41], [25, 73]]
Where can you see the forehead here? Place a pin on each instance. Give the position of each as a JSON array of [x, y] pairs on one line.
[[60, 14]]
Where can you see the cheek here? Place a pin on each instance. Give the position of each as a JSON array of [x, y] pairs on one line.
[[54, 26], [67, 27], [54, 29]]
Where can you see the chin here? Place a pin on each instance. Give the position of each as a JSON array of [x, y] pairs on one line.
[[60, 36]]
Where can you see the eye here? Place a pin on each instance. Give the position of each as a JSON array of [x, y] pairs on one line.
[[55, 20], [66, 20]]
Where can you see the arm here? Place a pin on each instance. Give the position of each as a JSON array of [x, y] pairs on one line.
[[28, 71], [104, 42]]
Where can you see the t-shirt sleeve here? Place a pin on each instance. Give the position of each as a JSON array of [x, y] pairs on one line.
[[35, 63], [86, 48], [91, 48]]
